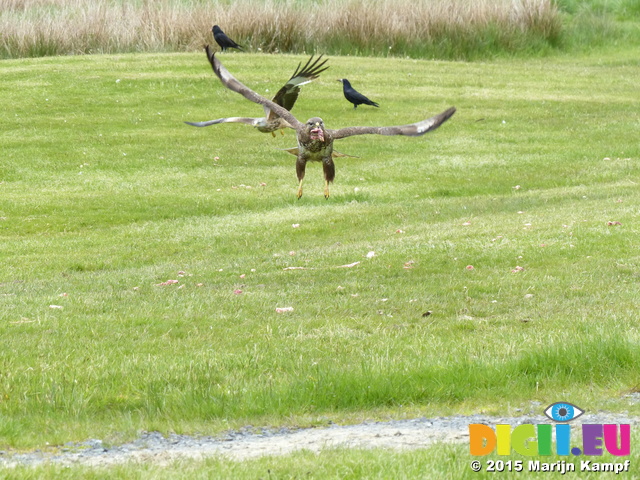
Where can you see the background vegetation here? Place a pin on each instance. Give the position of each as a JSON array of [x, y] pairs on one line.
[[460, 29]]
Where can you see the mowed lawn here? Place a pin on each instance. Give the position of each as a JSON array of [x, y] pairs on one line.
[[505, 265]]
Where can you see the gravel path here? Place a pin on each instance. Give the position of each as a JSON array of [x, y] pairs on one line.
[[250, 443]]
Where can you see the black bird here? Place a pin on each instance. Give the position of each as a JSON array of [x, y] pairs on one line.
[[221, 39], [353, 96]]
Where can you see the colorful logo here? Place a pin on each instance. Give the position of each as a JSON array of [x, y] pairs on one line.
[[529, 439]]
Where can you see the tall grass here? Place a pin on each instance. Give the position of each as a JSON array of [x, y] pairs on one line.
[[600, 22], [621, 9], [436, 28]]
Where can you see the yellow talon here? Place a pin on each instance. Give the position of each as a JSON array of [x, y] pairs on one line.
[[326, 190], [273, 134]]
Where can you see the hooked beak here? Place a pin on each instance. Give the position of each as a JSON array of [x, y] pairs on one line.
[[316, 133]]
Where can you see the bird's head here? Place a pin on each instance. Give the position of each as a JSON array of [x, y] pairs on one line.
[[216, 29], [315, 127], [344, 81]]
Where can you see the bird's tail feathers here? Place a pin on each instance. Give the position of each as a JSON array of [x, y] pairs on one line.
[[334, 154]]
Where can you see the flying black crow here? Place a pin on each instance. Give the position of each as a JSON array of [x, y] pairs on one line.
[[315, 142], [286, 98], [353, 96], [221, 39]]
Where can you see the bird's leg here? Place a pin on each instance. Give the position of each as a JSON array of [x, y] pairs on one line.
[[300, 189], [273, 134], [329, 170], [281, 131], [301, 165]]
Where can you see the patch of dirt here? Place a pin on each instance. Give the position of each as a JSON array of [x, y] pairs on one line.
[[250, 443]]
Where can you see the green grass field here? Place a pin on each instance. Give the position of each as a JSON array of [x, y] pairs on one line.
[[447, 462], [105, 194]]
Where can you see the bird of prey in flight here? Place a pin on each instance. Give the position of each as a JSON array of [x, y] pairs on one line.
[[354, 96], [315, 141], [221, 39], [286, 98]]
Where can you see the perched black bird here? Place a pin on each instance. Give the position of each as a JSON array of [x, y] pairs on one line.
[[353, 96], [221, 39]]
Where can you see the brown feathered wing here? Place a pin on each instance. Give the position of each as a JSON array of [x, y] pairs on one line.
[[288, 94], [411, 130], [234, 84], [285, 97]]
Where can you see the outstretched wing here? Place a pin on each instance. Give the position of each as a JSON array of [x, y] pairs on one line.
[[232, 83], [288, 94], [249, 121], [412, 130]]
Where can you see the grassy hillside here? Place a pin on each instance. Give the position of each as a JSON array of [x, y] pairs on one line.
[[514, 224]]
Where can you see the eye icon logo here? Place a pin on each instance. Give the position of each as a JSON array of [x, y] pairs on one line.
[[563, 412], [539, 439]]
